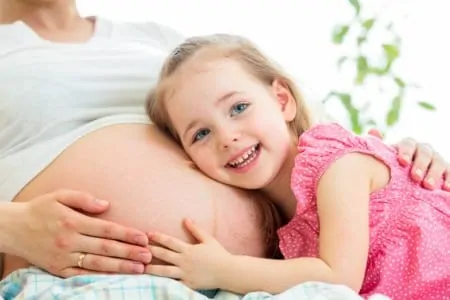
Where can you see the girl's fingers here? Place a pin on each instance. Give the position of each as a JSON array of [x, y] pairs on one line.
[[199, 233], [166, 255], [169, 242], [164, 271]]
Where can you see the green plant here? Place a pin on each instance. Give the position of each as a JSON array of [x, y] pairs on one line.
[[354, 37]]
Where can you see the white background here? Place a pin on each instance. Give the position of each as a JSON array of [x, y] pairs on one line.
[[297, 33]]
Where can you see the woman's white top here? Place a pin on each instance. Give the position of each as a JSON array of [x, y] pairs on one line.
[[51, 94]]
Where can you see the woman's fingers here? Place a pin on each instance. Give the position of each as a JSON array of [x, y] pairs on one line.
[[103, 264], [376, 133], [110, 230], [435, 173], [423, 160], [447, 178], [81, 201], [112, 248], [406, 150], [75, 271]]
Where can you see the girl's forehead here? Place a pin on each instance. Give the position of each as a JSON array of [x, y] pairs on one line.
[[195, 74]]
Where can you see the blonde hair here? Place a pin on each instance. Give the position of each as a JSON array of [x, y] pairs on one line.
[[225, 46]]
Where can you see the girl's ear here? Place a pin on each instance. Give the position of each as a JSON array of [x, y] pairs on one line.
[[285, 99]]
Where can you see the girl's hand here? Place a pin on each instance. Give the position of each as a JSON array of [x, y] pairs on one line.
[[428, 167], [197, 266], [49, 233]]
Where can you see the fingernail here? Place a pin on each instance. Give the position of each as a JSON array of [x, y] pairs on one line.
[[405, 159], [140, 240], [145, 257], [137, 268], [419, 173], [447, 185], [101, 202]]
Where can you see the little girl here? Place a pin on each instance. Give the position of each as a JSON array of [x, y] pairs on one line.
[[354, 216]]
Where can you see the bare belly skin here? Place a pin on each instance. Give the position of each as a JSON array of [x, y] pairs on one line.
[[152, 185]]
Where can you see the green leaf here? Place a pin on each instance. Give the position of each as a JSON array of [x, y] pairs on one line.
[[401, 84], [362, 69], [378, 71], [339, 33], [346, 100], [356, 6], [391, 51], [427, 105], [394, 112], [357, 127], [368, 24]]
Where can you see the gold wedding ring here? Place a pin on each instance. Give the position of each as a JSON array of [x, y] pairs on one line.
[[80, 260]]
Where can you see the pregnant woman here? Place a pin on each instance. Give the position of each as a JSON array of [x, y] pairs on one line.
[[73, 133]]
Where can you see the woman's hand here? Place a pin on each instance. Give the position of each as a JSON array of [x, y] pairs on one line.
[[198, 266], [50, 233], [428, 167]]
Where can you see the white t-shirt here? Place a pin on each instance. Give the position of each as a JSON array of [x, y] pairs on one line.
[[51, 94]]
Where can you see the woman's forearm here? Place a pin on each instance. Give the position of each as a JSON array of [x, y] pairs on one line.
[[8, 212]]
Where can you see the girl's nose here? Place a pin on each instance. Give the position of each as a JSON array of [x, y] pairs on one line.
[[227, 145]]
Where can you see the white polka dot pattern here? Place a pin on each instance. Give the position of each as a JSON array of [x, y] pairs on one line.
[[409, 253]]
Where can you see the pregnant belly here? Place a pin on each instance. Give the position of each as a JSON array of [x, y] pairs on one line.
[[151, 185]]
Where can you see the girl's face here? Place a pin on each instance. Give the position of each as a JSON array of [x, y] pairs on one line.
[[231, 125]]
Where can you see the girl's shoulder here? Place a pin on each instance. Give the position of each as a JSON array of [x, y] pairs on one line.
[[329, 134], [321, 146]]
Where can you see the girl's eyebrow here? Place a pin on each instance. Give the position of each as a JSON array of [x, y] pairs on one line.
[[226, 96]]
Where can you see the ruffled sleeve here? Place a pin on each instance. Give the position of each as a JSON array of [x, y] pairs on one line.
[[318, 148]]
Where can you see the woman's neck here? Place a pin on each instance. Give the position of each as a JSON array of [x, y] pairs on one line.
[[279, 190], [46, 14], [57, 20]]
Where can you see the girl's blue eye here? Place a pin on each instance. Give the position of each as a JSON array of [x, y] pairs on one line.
[[238, 108], [201, 134]]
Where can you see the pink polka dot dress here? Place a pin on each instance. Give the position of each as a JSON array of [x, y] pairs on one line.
[[409, 252]]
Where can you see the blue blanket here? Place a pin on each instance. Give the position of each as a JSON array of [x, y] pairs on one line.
[[35, 284]]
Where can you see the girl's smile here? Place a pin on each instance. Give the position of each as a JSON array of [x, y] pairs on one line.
[[245, 160], [233, 126]]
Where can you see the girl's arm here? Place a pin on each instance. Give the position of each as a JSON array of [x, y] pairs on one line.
[[342, 200], [343, 197]]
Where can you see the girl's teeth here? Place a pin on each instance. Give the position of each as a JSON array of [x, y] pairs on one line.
[[243, 158]]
